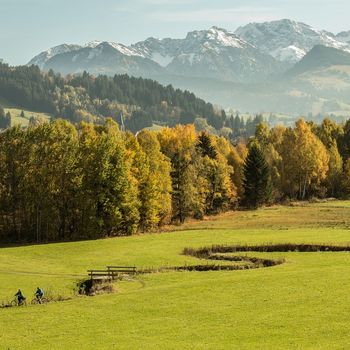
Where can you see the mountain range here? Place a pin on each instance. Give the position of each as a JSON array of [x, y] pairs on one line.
[[214, 53], [283, 66]]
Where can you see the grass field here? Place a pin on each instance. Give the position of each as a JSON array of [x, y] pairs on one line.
[[301, 304], [16, 118]]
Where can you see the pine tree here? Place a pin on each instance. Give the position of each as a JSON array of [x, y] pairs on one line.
[[345, 184], [256, 185], [344, 142], [205, 147], [5, 119], [185, 192], [333, 180]]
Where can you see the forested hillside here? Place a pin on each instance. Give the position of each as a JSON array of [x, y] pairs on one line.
[[140, 102]]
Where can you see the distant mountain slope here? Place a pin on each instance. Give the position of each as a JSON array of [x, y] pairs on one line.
[[287, 40], [344, 37], [321, 57], [104, 58], [41, 59]]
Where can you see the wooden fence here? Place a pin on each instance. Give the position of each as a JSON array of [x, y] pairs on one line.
[[112, 272]]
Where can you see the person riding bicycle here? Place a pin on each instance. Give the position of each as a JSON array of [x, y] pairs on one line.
[[39, 294], [20, 297]]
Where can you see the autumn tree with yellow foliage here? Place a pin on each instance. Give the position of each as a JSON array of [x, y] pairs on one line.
[[304, 160]]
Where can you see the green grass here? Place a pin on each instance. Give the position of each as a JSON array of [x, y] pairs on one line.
[[155, 127], [16, 118], [301, 304]]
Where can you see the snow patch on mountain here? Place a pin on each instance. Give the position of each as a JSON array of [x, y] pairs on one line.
[[162, 60], [289, 53], [93, 44], [125, 50], [44, 56], [215, 39], [221, 37]]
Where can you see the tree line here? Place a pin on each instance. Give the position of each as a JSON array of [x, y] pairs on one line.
[[306, 161], [60, 181]]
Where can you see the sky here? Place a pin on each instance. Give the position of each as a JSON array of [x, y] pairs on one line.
[[28, 27]]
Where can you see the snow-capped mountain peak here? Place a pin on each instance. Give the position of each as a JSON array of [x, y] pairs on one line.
[[44, 56], [95, 46], [288, 40], [217, 37], [215, 52], [93, 43], [123, 49], [164, 51], [226, 38]]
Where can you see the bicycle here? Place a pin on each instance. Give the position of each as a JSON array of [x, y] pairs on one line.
[[15, 302], [37, 301]]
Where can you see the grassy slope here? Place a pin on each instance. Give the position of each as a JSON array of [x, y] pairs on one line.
[[16, 118], [302, 304]]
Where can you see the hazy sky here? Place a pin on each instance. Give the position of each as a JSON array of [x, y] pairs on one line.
[[28, 27]]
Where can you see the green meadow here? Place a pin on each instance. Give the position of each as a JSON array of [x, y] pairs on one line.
[[301, 304], [16, 118]]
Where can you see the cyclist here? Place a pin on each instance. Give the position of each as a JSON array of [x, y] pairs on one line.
[[39, 294], [20, 297]]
